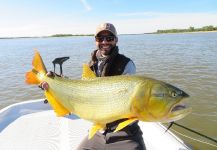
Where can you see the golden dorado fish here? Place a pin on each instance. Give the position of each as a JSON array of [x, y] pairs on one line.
[[106, 99]]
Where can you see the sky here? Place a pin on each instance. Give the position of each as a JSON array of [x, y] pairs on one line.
[[19, 18]]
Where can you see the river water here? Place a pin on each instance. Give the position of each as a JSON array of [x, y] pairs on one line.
[[188, 61]]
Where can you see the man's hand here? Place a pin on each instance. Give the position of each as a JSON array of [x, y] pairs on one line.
[[51, 74], [44, 85]]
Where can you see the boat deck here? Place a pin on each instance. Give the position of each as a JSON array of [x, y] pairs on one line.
[[33, 125]]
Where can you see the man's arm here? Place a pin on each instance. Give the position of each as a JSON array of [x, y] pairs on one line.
[[130, 68]]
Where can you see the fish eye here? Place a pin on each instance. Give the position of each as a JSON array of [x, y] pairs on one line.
[[174, 94]]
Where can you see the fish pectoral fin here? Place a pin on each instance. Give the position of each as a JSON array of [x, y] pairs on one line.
[[59, 109], [125, 123], [94, 129], [87, 73]]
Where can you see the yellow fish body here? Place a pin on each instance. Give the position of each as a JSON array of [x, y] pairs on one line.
[[106, 99]]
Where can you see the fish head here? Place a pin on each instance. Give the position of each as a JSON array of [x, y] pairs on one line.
[[161, 102]]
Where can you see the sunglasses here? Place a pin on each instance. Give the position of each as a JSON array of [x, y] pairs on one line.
[[102, 38]]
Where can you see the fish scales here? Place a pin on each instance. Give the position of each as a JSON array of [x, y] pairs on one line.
[[91, 100]]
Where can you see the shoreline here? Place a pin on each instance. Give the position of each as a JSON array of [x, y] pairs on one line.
[[51, 36], [59, 36], [183, 32]]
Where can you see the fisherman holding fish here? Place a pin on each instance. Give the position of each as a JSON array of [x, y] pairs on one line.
[[106, 61], [113, 104]]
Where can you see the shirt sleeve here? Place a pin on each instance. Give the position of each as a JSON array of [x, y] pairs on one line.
[[130, 68]]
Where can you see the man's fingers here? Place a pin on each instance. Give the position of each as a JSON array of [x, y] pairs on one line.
[[50, 74], [45, 85]]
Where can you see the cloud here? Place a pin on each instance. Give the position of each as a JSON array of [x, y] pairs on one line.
[[48, 28], [162, 14], [152, 21], [86, 5], [143, 22]]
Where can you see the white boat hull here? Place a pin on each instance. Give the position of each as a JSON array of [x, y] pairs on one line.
[[33, 125]]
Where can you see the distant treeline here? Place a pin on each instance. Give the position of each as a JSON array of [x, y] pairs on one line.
[[65, 35], [190, 29]]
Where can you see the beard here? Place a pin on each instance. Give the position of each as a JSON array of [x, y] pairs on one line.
[[105, 49]]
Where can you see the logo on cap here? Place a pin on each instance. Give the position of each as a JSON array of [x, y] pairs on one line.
[[105, 26]]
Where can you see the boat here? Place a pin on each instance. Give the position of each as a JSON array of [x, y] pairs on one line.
[[33, 125]]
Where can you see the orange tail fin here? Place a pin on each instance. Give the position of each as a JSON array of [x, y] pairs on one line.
[[33, 76]]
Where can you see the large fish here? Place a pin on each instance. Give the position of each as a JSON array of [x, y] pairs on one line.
[[106, 99]]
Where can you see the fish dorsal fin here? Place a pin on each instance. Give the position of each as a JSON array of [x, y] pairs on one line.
[[94, 129], [59, 109], [38, 63], [87, 73], [124, 124]]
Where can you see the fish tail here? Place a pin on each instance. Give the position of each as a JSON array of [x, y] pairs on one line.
[[38, 71]]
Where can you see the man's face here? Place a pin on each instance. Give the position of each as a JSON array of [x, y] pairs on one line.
[[105, 41]]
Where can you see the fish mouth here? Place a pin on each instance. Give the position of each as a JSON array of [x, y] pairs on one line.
[[179, 111], [181, 104], [178, 107]]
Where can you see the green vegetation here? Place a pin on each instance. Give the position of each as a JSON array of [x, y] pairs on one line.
[[190, 29], [55, 35]]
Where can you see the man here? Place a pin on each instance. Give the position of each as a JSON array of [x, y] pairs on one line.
[[106, 61]]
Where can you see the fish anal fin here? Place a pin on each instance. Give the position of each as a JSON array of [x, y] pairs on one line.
[[125, 123], [59, 109], [94, 129], [87, 73]]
